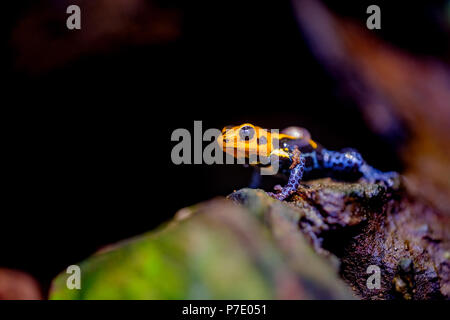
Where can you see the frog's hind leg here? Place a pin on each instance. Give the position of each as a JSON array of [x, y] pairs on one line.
[[351, 161], [374, 175]]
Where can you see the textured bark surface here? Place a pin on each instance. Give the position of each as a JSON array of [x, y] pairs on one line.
[[363, 225]]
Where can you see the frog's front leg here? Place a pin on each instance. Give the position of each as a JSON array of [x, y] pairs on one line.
[[296, 174], [351, 161], [255, 182]]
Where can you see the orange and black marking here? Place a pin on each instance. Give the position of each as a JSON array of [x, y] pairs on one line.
[[246, 138]]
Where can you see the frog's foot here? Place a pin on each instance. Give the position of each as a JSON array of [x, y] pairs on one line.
[[389, 179], [283, 192], [278, 188], [373, 175], [279, 196], [278, 193]]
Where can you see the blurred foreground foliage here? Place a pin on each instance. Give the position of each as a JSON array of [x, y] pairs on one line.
[[215, 250], [251, 246]]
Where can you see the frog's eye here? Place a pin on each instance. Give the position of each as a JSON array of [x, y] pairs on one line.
[[247, 133]]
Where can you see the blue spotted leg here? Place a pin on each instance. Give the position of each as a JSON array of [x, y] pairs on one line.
[[294, 181], [349, 160]]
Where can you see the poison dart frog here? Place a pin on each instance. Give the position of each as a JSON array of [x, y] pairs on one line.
[[297, 157]]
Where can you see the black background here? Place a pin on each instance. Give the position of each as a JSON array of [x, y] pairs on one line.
[[87, 146]]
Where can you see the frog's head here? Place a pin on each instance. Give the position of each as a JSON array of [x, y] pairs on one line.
[[246, 138]]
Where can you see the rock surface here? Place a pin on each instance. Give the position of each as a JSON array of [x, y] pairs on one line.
[[214, 250], [363, 225], [254, 247]]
